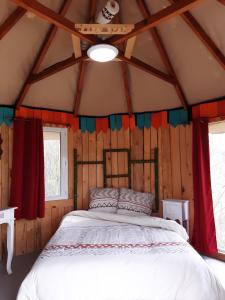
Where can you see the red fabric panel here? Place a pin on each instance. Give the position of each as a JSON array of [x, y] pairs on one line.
[[105, 124], [196, 112], [156, 120], [132, 122], [221, 108], [164, 122], [125, 121], [98, 125], [27, 183], [204, 234], [75, 124]]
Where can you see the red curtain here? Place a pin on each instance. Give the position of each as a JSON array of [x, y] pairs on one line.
[[27, 182], [204, 233]]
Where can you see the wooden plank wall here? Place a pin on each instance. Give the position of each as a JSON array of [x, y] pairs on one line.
[[175, 161], [31, 235], [175, 174]]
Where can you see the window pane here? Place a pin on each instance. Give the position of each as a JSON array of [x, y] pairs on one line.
[[217, 162], [52, 163]]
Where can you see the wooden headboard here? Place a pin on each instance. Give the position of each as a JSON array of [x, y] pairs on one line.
[[106, 175]]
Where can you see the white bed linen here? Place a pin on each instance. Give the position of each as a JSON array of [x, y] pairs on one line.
[[102, 256]]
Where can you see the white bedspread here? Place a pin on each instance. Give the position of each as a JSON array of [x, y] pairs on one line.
[[100, 256]]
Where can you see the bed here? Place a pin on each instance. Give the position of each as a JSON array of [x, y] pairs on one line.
[[105, 256]]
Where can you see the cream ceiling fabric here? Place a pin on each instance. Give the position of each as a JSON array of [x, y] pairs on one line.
[[201, 76]]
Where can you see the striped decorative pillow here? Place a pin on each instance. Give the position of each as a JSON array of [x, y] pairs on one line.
[[104, 199], [134, 203]]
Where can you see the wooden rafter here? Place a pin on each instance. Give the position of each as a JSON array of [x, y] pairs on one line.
[[83, 64], [124, 71], [222, 1], [203, 36], [72, 61], [173, 10], [147, 68], [16, 15], [163, 53], [52, 17], [41, 55], [80, 84], [92, 10], [59, 66]]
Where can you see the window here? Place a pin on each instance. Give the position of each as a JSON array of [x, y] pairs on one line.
[[56, 163], [217, 164]]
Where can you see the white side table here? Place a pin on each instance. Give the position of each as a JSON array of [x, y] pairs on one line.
[[177, 210], [7, 216]]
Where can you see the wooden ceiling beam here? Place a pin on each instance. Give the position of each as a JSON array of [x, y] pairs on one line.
[[203, 36], [41, 55], [124, 67], [124, 72], [59, 66], [50, 16], [163, 53], [80, 84], [92, 10], [83, 64], [147, 68], [222, 1], [15, 16], [173, 10]]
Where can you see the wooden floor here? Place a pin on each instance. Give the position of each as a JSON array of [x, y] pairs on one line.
[[9, 285]]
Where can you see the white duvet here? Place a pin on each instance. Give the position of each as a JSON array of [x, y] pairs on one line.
[[101, 256]]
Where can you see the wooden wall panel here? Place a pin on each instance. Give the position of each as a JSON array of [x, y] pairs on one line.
[[175, 174], [31, 235]]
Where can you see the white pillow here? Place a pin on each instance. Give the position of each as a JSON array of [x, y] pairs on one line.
[[104, 199], [134, 203]]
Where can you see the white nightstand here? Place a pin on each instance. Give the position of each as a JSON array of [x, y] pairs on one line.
[[177, 210], [7, 216]]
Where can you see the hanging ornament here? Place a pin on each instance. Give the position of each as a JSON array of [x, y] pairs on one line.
[[106, 15]]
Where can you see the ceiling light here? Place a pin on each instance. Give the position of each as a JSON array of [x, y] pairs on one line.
[[102, 52]]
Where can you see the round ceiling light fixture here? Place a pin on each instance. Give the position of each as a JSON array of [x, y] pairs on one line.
[[102, 52]]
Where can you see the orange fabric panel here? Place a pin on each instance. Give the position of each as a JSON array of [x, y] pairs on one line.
[[45, 116], [22, 112], [38, 114], [209, 110]]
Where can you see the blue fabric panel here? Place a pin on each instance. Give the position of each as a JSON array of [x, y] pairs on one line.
[[8, 115], [83, 124], [147, 120], [118, 121], [178, 116], [112, 122], [1, 115], [140, 119], [91, 124]]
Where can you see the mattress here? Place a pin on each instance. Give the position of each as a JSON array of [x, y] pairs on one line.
[[102, 256]]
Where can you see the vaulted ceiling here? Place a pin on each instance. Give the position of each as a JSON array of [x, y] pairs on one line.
[[179, 62]]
